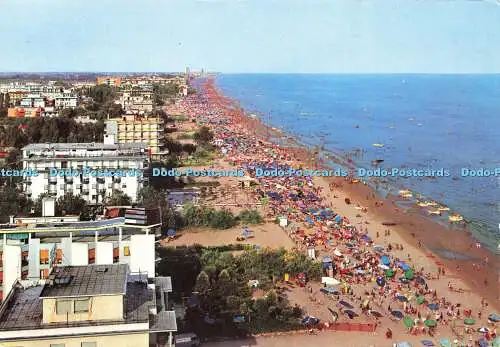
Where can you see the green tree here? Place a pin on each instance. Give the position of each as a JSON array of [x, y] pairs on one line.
[[118, 198], [70, 204], [203, 136]]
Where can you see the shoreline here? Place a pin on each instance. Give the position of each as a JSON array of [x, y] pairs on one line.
[[411, 227]]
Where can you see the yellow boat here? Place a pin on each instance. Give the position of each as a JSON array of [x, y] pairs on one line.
[[455, 218], [405, 194]]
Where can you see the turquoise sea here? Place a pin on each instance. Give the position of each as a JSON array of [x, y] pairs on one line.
[[422, 121]]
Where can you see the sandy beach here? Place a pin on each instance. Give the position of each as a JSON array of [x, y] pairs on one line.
[[461, 279]]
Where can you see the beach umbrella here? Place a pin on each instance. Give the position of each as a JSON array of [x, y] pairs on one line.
[[350, 314], [376, 314], [430, 323], [329, 290], [345, 304], [397, 314], [420, 299], [494, 317], [408, 322], [483, 330], [402, 298], [403, 266], [403, 279], [433, 307], [445, 342], [389, 273], [334, 314], [420, 280], [378, 248], [427, 343], [409, 274], [469, 321], [380, 281], [385, 260]]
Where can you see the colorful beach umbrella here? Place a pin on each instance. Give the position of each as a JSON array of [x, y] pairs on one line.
[[433, 307], [389, 273], [409, 274], [408, 322], [420, 299], [385, 260], [430, 323], [380, 281], [469, 321], [397, 314], [402, 298]]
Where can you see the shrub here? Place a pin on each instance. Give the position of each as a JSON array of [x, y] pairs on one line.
[[250, 217]]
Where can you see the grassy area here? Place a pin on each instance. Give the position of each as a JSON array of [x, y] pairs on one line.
[[185, 135], [179, 118]]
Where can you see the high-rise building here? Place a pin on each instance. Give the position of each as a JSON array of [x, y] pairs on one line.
[[137, 129], [90, 170]]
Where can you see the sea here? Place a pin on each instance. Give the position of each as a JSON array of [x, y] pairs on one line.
[[423, 121]]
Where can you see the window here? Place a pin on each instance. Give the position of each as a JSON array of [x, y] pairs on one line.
[[89, 344], [81, 305], [63, 306], [126, 251]]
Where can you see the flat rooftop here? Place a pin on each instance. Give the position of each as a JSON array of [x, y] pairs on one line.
[[88, 227], [89, 280], [23, 309], [88, 146]]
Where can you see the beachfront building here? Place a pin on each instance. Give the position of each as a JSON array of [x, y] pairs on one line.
[[87, 306], [83, 159], [31, 246], [109, 81], [137, 129]]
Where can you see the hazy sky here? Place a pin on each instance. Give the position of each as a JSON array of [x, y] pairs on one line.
[[251, 35]]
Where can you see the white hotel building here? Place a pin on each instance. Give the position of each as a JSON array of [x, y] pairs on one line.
[[78, 156]]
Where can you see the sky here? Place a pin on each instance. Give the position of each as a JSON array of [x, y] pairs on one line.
[[242, 36]]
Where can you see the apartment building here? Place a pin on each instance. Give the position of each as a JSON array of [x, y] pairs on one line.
[[90, 170], [137, 129], [87, 306], [31, 246], [109, 81]]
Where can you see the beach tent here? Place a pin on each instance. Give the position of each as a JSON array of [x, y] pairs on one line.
[[444, 342], [389, 273], [403, 266]]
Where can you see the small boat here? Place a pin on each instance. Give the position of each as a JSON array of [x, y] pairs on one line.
[[434, 213], [443, 208], [378, 145], [456, 218], [377, 161], [423, 203], [405, 194]]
